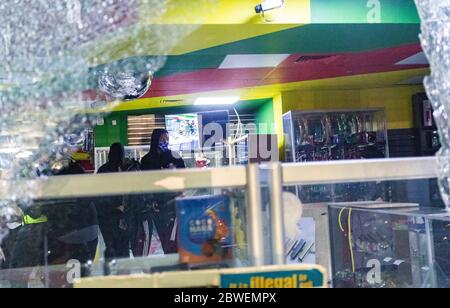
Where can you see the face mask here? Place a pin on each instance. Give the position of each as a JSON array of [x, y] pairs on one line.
[[164, 146]]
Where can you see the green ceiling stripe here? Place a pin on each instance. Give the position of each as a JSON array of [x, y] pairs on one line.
[[323, 38], [364, 11]]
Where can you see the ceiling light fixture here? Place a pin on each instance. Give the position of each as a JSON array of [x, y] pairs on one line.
[[253, 61], [206, 101], [268, 5]]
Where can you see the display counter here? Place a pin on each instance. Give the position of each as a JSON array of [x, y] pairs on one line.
[[395, 247], [247, 218], [383, 185]]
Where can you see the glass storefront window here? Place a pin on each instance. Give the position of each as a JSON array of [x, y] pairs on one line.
[[59, 240]]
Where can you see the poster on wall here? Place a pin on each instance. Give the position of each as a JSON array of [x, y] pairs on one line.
[[183, 131]]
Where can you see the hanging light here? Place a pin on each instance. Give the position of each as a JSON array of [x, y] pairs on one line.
[[210, 101]]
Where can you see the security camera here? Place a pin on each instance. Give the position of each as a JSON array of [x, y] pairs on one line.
[[268, 5]]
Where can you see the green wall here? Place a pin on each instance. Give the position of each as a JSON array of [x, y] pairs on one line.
[[265, 115], [107, 134]]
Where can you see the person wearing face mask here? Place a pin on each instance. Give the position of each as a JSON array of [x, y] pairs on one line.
[[162, 210], [160, 156]]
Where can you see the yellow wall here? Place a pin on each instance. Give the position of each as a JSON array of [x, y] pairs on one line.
[[397, 102]]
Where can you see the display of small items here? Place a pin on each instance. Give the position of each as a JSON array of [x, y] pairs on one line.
[[372, 250], [298, 249], [336, 135]]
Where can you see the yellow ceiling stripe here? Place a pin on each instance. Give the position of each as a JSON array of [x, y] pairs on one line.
[[176, 27], [216, 12], [208, 36], [219, 22]]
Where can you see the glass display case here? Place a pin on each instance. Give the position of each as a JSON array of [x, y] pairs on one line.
[[170, 221], [313, 136], [335, 135], [387, 242], [405, 181], [389, 246], [48, 254]]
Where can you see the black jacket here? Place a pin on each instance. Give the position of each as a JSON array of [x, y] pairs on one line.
[[161, 160], [107, 206], [108, 168]]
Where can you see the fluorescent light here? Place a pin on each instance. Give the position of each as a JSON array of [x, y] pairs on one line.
[[216, 100], [253, 61]]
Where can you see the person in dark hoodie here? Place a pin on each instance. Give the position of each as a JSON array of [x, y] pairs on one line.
[[112, 210], [116, 159], [160, 156], [162, 206]]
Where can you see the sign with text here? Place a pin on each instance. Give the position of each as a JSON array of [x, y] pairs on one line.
[[313, 277]]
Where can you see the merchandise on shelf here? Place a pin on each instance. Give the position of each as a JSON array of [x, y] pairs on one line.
[[335, 135], [388, 248]]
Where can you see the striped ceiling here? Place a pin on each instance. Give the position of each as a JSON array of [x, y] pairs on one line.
[[222, 47], [319, 42]]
